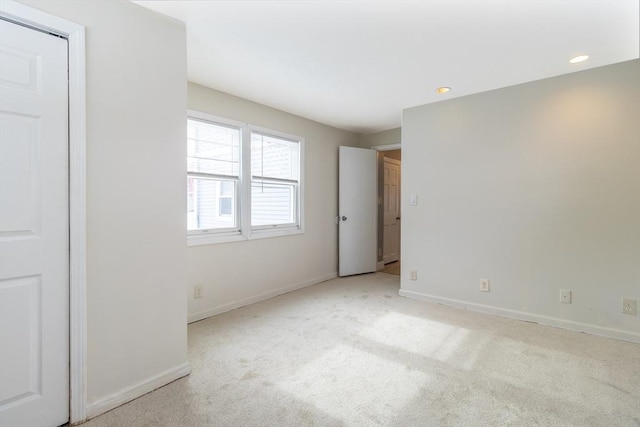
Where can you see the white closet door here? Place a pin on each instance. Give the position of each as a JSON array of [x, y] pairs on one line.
[[34, 228]]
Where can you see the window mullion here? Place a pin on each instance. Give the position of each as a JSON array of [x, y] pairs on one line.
[[245, 181]]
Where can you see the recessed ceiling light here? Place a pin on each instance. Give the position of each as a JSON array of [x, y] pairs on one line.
[[443, 89], [579, 58]]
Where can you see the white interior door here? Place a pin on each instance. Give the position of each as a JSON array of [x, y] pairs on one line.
[[34, 228], [357, 211], [391, 203]]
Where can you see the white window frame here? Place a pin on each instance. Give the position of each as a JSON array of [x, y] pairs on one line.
[[220, 235], [261, 231], [244, 229]]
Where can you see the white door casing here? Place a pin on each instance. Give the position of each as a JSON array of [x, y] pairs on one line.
[[357, 211], [34, 228], [391, 209]]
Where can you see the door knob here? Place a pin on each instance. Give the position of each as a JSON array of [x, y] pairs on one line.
[[344, 218]]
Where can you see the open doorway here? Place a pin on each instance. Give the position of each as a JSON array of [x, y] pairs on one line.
[[391, 208], [389, 215]]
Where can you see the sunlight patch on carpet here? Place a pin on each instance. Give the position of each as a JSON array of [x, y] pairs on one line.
[[331, 381], [435, 340]]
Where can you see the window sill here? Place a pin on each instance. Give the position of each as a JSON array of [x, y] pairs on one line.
[[213, 238], [275, 232], [217, 238]]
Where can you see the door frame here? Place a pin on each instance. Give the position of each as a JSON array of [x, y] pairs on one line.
[[75, 34], [399, 200], [385, 147]]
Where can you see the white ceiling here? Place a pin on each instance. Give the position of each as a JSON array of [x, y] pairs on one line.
[[356, 64]]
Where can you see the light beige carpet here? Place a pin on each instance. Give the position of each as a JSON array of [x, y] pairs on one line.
[[351, 352], [392, 268]]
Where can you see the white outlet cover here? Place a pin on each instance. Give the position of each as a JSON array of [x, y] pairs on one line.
[[413, 274], [629, 306], [565, 296], [485, 285]]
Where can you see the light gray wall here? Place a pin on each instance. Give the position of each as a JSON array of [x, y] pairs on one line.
[[136, 177], [535, 187], [389, 136], [235, 274]]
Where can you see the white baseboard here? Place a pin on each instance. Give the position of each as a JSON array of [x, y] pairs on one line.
[[251, 300], [530, 317], [136, 390]]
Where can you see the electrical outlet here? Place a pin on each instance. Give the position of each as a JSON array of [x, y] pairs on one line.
[[197, 291], [484, 285], [565, 296], [629, 306], [413, 274]]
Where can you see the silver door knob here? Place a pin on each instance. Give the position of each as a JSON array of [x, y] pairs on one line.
[[344, 218]]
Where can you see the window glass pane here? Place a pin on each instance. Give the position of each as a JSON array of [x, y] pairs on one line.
[[227, 188], [274, 157], [207, 207], [225, 207], [213, 148], [272, 203]]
